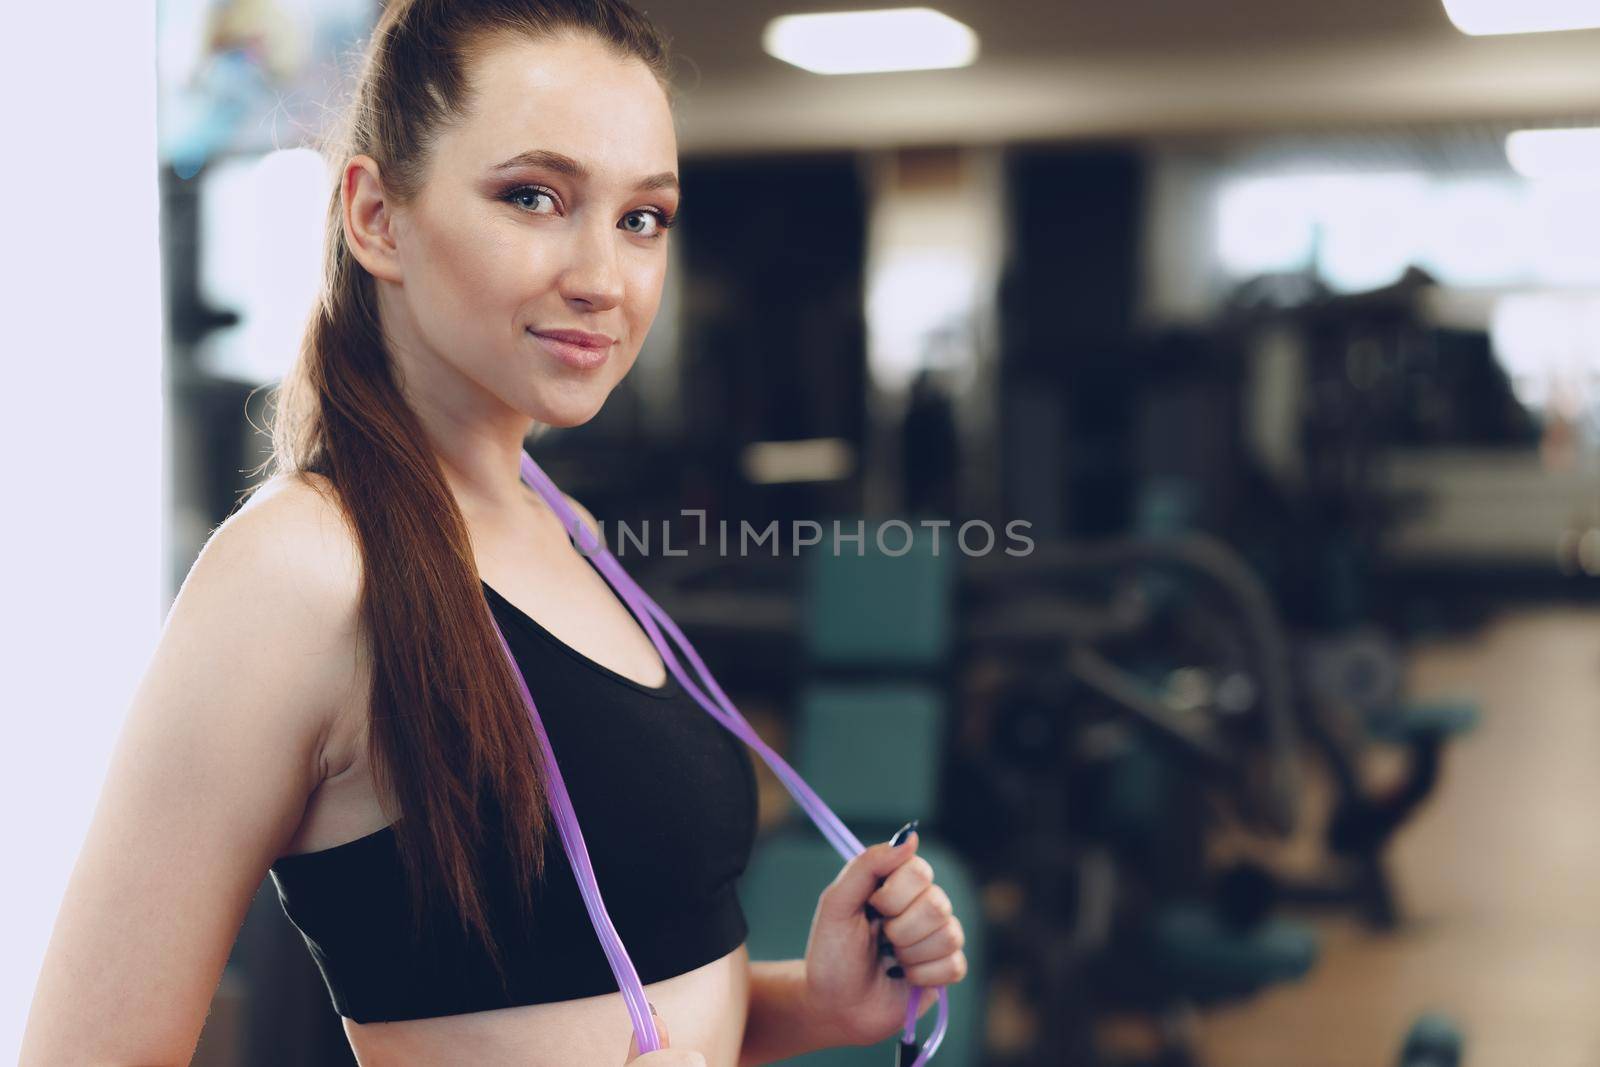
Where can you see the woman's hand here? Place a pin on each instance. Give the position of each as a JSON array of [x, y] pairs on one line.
[[847, 984], [665, 1056]]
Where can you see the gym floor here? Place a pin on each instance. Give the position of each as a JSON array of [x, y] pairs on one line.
[[1499, 879]]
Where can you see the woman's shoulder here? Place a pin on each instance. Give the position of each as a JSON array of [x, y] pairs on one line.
[[265, 627], [288, 551]]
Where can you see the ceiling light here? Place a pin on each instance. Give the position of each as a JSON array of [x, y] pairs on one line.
[[865, 42], [818, 459], [1555, 153], [1483, 17]]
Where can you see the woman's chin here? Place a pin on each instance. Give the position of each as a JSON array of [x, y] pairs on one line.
[[568, 414]]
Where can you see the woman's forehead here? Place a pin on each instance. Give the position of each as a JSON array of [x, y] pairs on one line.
[[571, 96]]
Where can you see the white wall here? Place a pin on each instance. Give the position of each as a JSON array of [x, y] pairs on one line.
[[80, 432]]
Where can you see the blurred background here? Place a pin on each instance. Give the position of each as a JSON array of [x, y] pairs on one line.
[[1279, 327]]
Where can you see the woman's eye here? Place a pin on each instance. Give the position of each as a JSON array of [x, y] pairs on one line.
[[527, 195], [644, 223]]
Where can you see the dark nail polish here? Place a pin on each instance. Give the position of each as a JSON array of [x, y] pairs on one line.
[[897, 971], [904, 832]]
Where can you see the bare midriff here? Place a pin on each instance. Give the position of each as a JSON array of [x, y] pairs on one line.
[[704, 1010]]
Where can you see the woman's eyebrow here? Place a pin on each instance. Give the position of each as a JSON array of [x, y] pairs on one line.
[[562, 164]]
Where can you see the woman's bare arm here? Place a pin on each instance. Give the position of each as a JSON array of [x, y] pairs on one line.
[[208, 782]]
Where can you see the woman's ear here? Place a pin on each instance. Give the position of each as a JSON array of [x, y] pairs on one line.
[[369, 218]]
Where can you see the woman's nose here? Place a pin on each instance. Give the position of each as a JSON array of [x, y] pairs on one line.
[[593, 276]]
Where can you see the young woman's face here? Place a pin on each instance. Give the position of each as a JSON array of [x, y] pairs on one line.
[[542, 212]]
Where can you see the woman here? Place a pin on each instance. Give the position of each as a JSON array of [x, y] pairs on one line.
[[329, 700]]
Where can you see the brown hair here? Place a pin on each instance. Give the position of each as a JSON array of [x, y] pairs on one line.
[[450, 735]]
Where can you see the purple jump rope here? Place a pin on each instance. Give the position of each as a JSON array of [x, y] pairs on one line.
[[720, 709]]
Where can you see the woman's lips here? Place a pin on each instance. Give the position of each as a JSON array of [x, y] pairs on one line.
[[579, 357]]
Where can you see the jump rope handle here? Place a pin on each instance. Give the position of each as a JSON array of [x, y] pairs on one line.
[[908, 1050], [885, 946]]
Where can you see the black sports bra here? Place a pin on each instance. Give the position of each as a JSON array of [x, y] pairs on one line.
[[666, 798]]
